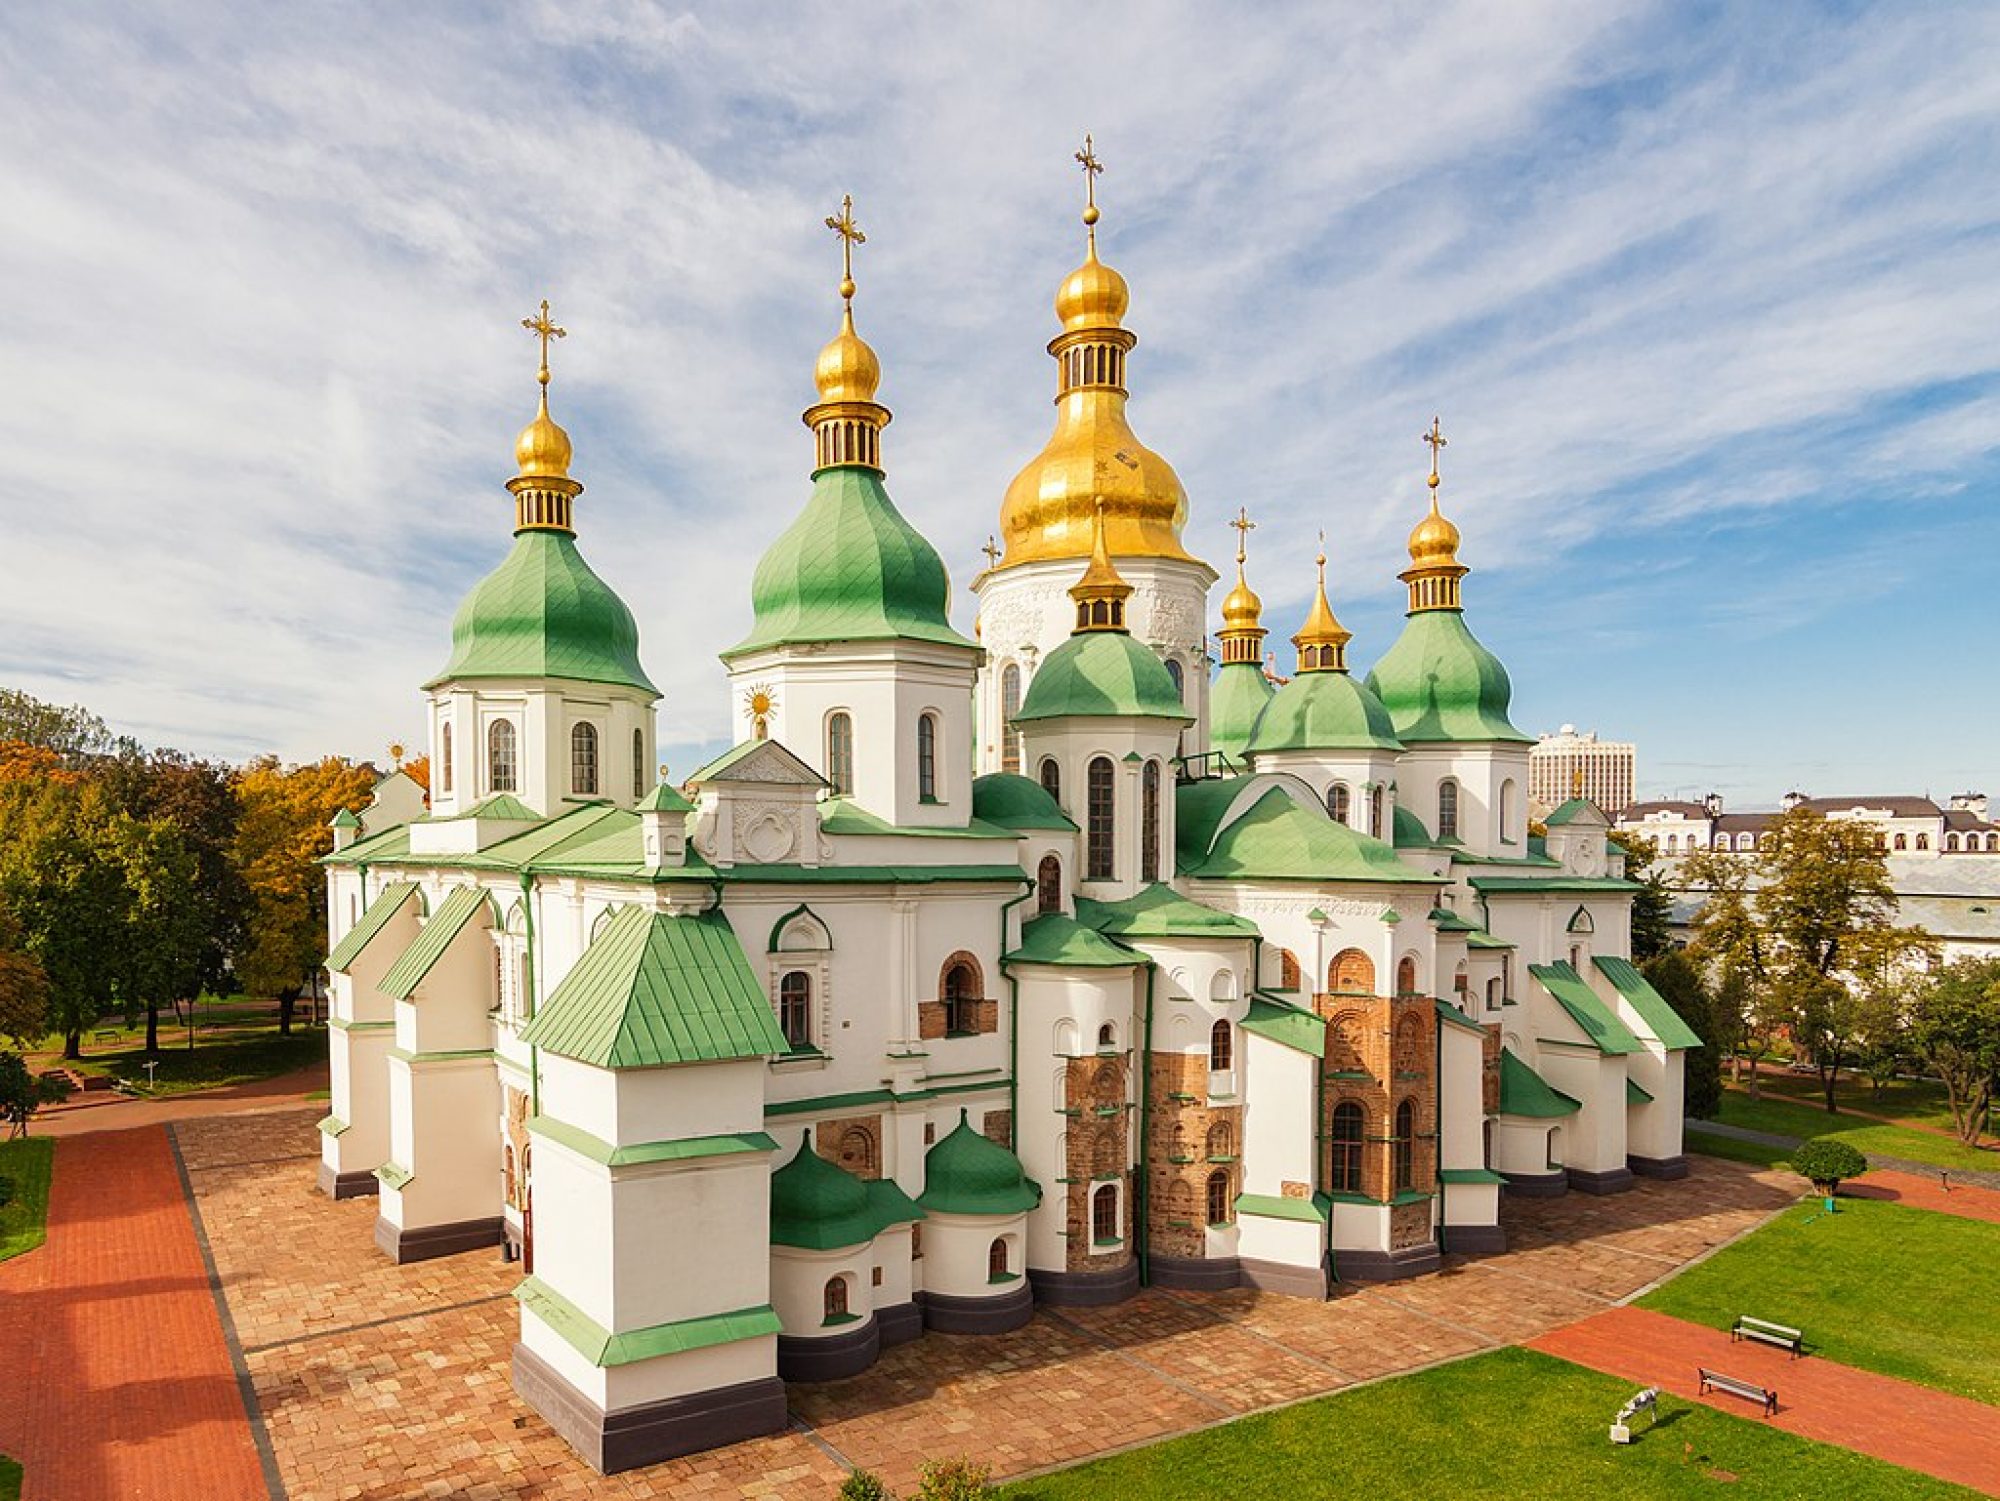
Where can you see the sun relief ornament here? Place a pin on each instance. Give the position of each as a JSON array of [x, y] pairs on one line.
[[760, 700]]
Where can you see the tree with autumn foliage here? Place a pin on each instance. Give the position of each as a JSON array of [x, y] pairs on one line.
[[281, 831]]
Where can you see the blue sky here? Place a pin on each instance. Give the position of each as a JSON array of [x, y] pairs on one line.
[[1706, 295]]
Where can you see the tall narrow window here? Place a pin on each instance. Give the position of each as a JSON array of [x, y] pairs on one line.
[[583, 760], [500, 760], [1406, 976], [1507, 811], [1149, 822], [1221, 1048], [1405, 1146], [638, 765], [1052, 778], [927, 758], [840, 753], [1048, 885], [1338, 800], [1104, 1215], [1447, 809], [795, 994], [996, 1262], [1375, 811], [1219, 1197], [1348, 1126], [444, 757], [836, 1299], [961, 992], [1099, 817], [1288, 970], [1180, 679], [1010, 705]]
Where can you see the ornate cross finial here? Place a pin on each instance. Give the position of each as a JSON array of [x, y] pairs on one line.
[[1576, 782], [543, 329], [1244, 527], [1087, 159], [1321, 559], [1437, 440], [992, 551], [850, 234]]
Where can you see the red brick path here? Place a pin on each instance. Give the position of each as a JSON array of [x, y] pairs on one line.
[[129, 1390], [1953, 1438], [1964, 1200]]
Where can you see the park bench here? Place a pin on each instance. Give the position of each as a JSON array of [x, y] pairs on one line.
[[104, 1034], [1769, 1333], [1765, 1397]]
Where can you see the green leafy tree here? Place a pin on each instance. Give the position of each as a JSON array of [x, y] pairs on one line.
[[1730, 945], [74, 734], [1826, 1162], [165, 941], [1653, 902], [22, 1093], [1953, 1020], [1679, 983], [64, 887], [24, 990]]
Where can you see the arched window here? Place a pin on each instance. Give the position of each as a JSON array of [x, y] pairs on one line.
[[501, 766], [1350, 972], [1406, 976], [1338, 800], [1288, 970], [1180, 679], [1493, 994], [1221, 1202], [1149, 822], [1104, 1215], [1992, 843], [960, 991], [927, 758], [1051, 775], [795, 994], [1745, 841], [1506, 829], [1902, 841], [1923, 841], [1375, 811], [1722, 841], [444, 757], [1221, 1141], [1349, 1123], [638, 765], [1221, 1048], [840, 753], [1447, 809], [996, 1261], [583, 760], [1010, 705], [1951, 844], [1405, 1146], [1107, 1036], [835, 1299], [1048, 885], [1099, 821]]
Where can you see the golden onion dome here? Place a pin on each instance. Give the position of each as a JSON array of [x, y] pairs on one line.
[[1242, 610], [1435, 540], [847, 369], [1092, 296], [543, 449]]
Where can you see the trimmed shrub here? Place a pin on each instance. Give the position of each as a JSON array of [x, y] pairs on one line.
[[1825, 1161], [955, 1480], [863, 1485]]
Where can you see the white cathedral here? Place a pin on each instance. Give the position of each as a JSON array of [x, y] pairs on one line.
[[1037, 967]]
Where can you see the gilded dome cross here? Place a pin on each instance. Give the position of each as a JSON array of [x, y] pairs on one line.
[[992, 551], [545, 330], [1244, 527], [850, 234], [1437, 440], [1087, 159]]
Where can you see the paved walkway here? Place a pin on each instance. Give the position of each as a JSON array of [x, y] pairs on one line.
[[130, 1391], [105, 1110], [1953, 1438], [1988, 1179], [1926, 1192]]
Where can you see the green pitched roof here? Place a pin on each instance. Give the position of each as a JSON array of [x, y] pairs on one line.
[[1479, 938], [1158, 911], [373, 920], [1447, 921], [1525, 1092], [1410, 833], [1551, 883], [544, 614], [839, 815], [818, 1205], [1635, 1093], [1199, 808], [1605, 1030], [433, 939], [1282, 1023], [664, 799], [1439, 683], [1654, 1009], [1318, 711], [1103, 674], [1235, 699], [654, 989], [344, 819], [1452, 1016], [1017, 802], [392, 843], [850, 568], [1055, 939], [502, 807], [1280, 840], [1573, 809], [967, 1173]]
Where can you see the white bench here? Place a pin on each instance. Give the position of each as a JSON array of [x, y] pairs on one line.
[[1768, 1333], [1765, 1397]]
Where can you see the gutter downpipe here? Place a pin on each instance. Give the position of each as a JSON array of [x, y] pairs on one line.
[[1145, 1194], [528, 991], [1437, 1122], [1013, 1013]]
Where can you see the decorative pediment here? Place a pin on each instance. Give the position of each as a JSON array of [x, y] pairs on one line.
[[763, 762]]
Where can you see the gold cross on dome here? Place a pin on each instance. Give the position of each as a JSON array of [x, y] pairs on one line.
[[1087, 159], [545, 330], [992, 551], [1244, 527], [850, 234], [1437, 440]]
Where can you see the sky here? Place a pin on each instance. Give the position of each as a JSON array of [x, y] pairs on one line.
[[1707, 298]]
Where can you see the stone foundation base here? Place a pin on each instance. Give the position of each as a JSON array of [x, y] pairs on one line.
[[423, 1242], [900, 1323], [830, 1357], [1667, 1168], [1537, 1185], [1313, 1282], [1613, 1181], [1085, 1289], [1474, 1240], [1196, 1274], [347, 1185], [643, 1435], [1386, 1266], [950, 1313]]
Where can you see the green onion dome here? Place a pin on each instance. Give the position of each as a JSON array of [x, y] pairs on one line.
[[1241, 690], [1439, 684], [1104, 674], [967, 1173], [543, 613], [1322, 711], [818, 1205], [1016, 802]]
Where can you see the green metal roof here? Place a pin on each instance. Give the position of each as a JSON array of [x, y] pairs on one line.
[[1479, 938], [544, 614], [655, 989], [1199, 808], [968, 1173], [1318, 711], [818, 1205], [664, 799], [601, 1347], [433, 938], [1452, 1016], [1409, 831], [850, 568], [1605, 1030], [502, 807], [1055, 939], [1102, 674], [343, 819], [1158, 911], [838, 815], [373, 920], [1280, 840], [1447, 921], [1017, 802], [390, 844], [1635, 1093], [1573, 809], [1235, 699], [1439, 683], [1286, 1024], [1551, 883], [1654, 1009], [1525, 1092]]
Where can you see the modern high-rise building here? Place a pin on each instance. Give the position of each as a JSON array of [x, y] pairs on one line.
[[1566, 765]]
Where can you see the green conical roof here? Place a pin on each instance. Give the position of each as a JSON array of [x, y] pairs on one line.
[[1318, 711], [1105, 674], [1241, 690], [849, 569], [1439, 683], [544, 614], [967, 1173]]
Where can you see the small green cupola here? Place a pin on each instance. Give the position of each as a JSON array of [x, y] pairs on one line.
[[1241, 689], [818, 1205], [1323, 708], [967, 1173]]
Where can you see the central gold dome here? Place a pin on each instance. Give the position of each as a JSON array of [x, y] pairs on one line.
[[543, 449]]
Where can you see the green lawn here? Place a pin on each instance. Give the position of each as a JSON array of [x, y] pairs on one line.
[[1788, 1117], [1883, 1286], [10, 1480], [234, 1057], [1921, 1101], [1712, 1145], [1511, 1423], [24, 1222]]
